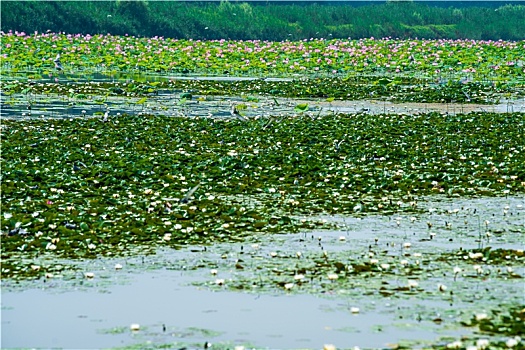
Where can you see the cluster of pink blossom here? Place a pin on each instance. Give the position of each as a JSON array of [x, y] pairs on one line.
[[308, 55]]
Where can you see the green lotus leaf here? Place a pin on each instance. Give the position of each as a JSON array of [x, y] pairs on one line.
[[301, 107], [260, 224]]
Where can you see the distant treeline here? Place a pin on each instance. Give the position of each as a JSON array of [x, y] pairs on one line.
[[266, 20]]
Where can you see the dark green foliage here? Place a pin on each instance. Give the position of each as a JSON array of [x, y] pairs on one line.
[[509, 323], [89, 187], [270, 21]]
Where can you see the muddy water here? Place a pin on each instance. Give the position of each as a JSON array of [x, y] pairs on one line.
[[176, 299]]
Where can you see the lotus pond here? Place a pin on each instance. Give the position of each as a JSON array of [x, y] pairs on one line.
[[374, 194], [443, 71]]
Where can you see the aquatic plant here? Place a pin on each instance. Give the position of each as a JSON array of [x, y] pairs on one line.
[[478, 60], [83, 187]]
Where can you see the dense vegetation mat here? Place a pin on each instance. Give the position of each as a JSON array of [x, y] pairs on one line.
[[84, 187]]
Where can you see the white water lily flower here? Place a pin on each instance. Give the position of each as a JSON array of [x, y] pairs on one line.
[[481, 316], [482, 344], [329, 347], [213, 271], [471, 347], [288, 286], [49, 275], [413, 283], [407, 245], [332, 276], [177, 226], [404, 262], [91, 246], [455, 345], [385, 266], [512, 342], [298, 277], [374, 261], [35, 267], [298, 254], [219, 281], [89, 275], [134, 327], [51, 246], [354, 310], [475, 256], [442, 287], [118, 266], [273, 254], [167, 236], [239, 347], [457, 270]]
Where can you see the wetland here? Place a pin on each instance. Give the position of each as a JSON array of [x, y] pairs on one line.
[[361, 207]]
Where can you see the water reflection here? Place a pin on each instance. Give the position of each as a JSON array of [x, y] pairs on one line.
[[170, 103], [166, 296], [73, 319]]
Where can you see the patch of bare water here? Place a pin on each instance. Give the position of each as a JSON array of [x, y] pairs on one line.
[[183, 296], [170, 103], [409, 108], [168, 310]]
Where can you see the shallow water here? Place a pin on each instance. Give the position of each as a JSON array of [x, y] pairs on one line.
[[175, 287], [409, 108], [169, 103], [44, 318], [108, 76]]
